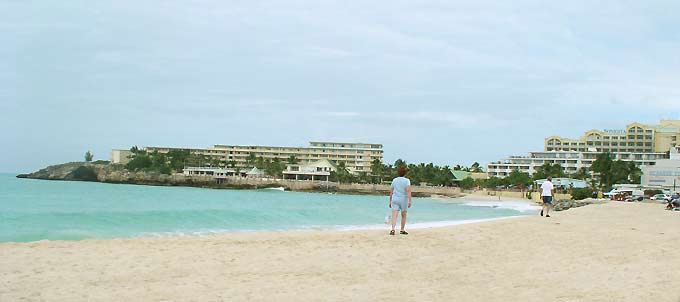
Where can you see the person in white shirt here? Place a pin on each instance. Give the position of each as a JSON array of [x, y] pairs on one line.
[[547, 189]]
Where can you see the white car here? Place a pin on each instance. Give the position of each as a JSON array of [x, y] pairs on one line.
[[665, 197]]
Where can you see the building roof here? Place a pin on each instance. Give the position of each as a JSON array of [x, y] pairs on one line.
[[255, 171], [460, 175]]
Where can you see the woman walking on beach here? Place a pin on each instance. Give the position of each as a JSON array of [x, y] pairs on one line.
[[400, 199]]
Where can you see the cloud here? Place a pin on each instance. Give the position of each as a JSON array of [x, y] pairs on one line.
[[453, 120], [295, 71]]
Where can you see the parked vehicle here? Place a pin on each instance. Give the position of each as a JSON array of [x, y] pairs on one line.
[[633, 198], [661, 197], [626, 193]]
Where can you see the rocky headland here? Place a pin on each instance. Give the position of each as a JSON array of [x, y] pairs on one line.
[[116, 173]]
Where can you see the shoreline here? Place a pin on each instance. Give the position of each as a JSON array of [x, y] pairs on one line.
[[228, 233], [610, 252], [329, 229]]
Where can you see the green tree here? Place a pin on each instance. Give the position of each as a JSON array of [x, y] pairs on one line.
[[377, 170], [250, 160], [603, 167], [274, 167], [518, 178], [341, 174], [178, 158], [476, 168], [443, 177], [549, 170], [581, 174], [88, 156], [363, 177], [634, 173], [581, 193], [260, 162], [467, 183], [292, 160], [139, 162], [493, 182], [136, 150]]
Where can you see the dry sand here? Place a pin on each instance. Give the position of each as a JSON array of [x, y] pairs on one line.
[[611, 252]]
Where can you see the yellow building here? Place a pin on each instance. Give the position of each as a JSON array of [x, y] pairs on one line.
[[357, 157], [636, 138]]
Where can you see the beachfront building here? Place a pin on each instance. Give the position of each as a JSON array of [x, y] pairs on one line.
[[120, 156], [636, 138], [639, 143], [357, 157], [571, 161], [459, 175], [212, 172], [665, 174], [318, 171], [256, 173]]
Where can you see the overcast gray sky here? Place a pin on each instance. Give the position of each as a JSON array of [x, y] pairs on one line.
[[449, 82]]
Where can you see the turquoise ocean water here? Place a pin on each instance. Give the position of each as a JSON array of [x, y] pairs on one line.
[[33, 210]]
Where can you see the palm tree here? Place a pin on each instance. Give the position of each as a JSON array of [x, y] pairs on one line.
[[377, 169], [635, 174], [250, 160], [476, 167], [292, 160]]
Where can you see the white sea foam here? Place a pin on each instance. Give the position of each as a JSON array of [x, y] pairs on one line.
[[513, 205], [420, 225], [342, 228]]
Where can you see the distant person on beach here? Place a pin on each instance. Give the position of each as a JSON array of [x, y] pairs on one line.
[[400, 199], [547, 189]]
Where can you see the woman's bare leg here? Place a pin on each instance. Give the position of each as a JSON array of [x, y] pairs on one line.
[[403, 219]]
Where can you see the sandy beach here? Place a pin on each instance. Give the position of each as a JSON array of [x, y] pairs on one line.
[[610, 252]]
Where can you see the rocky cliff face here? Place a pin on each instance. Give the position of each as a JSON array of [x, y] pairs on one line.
[[83, 171], [68, 171], [112, 173]]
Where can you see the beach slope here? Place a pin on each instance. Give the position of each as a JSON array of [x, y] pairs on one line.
[[610, 252]]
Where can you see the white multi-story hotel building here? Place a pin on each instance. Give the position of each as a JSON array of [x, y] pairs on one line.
[[357, 157], [642, 144], [571, 161], [665, 174]]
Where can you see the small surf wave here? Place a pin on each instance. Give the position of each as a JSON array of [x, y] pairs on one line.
[[422, 225], [512, 205]]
